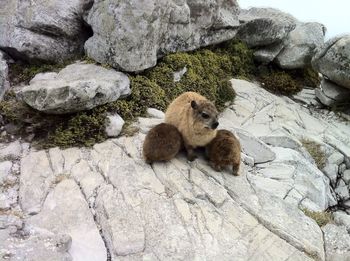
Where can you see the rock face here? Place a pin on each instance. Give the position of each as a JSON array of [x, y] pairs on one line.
[[337, 243], [331, 94], [4, 84], [75, 88], [333, 59], [300, 45], [264, 26], [130, 35], [43, 30]]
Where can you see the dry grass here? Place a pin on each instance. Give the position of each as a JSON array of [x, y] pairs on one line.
[[316, 152], [322, 218]]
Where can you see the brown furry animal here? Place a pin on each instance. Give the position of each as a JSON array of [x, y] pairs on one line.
[[224, 150], [162, 143], [196, 118]]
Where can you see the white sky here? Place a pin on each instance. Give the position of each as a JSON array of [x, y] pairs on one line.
[[334, 14]]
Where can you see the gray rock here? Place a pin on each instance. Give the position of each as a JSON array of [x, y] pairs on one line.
[[342, 191], [332, 60], [247, 160], [324, 99], [5, 170], [114, 125], [7, 221], [178, 75], [10, 151], [122, 228], [342, 219], [341, 169], [264, 26], [66, 211], [154, 113], [268, 54], [281, 141], [337, 243], [334, 91], [75, 88], [331, 171], [50, 30], [346, 176], [4, 83], [336, 158], [38, 245], [255, 148], [131, 35], [339, 145], [300, 45]]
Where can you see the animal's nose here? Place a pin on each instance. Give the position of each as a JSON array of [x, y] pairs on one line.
[[214, 125]]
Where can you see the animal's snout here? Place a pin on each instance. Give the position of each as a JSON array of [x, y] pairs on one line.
[[215, 125]]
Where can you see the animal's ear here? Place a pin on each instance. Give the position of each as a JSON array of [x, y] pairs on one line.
[[194, 105]]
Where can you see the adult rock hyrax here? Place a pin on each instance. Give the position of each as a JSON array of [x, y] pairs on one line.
[[196, 118], [224, 150], [162, 143]]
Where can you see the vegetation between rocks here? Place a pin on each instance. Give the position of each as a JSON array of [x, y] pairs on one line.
[[207, 71], [316, 152], [322, 218]]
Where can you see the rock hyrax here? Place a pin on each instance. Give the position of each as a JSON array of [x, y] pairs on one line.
[[196, 118], [224, 150], [162, 143]]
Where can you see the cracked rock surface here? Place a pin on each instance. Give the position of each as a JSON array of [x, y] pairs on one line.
[[106, 203]]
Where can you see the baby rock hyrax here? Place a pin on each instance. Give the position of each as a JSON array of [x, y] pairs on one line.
[[162, 143], [196, 118], [224, 150]]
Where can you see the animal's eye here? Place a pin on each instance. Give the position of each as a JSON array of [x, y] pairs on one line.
[[205, 116]]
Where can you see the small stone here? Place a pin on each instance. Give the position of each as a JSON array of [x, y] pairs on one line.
[[342, 191], [114, 125], [346, 176], [178, 75], [342, 219], [247, 160], [11, 151], [5, 170], [342, 168], [154, 113], [331, 171], [336, 158]]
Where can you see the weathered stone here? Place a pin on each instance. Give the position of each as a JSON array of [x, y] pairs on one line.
[[337, 144], [332, 60], [154, 113], [255, 148], [123, 229], [75, 88], [131, 35], [337, 243], [281, 141], [114, 125], [342, 191], [145, 124], [341, 169], [331, 171], [342, 219], [334, 91], [324, 99], [11, 151], [35, 180], [336, 158], [346, 176], [48, 30], [5, 170], [264, 26], [38, 245], [268, 54], [66, 211], [4, 83], [300, 45], [10, 221]]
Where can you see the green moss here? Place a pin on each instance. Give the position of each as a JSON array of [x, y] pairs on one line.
[[208, 73], [321, 218], [316, 152], [280, 83]]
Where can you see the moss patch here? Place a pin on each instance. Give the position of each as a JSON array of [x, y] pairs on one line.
[[316, 152], [321, 218]]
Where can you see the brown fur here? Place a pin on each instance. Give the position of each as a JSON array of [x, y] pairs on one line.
[[162, 143], [196, 119], [224, 150]]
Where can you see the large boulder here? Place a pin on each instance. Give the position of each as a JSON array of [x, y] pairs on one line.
[[77, 87], [130, 35], [264, 26], [43, 30], [331, 94], [4, 84], [333, 60], [300, 45]]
